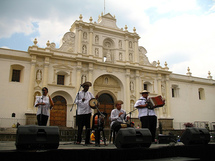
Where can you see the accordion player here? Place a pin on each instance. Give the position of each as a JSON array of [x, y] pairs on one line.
[[155, 102]]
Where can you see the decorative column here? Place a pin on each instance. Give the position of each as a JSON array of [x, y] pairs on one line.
[[126, 49], [30, 114], [91, 39], [127, 91], [45, 73], [70, 78], [136, 53], [80, 39], [159, 92], [137, 87], [167, 103], [78, 75], [91, 76], [31, 85]]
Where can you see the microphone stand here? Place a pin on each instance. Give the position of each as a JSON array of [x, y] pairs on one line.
[[41, 110], [130, 114]]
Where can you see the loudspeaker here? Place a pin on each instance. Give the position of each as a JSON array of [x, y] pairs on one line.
[[193, 136], [130, 137], [37, 137]]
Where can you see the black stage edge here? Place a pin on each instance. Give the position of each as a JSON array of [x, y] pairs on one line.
[[201, 152]]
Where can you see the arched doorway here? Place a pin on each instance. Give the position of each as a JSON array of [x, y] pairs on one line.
[[58, 112], [106, 105]]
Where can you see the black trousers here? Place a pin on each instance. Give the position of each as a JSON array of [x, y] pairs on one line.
[[149, 122], [42, 120], [117, 125], [83, 120]]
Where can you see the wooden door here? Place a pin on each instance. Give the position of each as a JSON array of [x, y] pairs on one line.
[[106, 105], [58, 112]]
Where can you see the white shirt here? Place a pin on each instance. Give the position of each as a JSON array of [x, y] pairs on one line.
[[45, 108], [115, 116], [83, 107], [144, 111]]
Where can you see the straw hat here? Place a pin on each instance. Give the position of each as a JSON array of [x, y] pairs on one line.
[[86, 84], [119, 102], [144, 91]]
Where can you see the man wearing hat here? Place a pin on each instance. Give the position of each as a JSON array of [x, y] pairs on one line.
[[118, 116], [84, 112], [147, 116]]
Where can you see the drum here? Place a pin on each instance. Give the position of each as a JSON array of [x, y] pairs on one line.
[[93, 103], [155, 102]]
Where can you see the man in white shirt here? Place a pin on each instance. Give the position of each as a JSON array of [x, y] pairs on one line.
[[147, 116], [118, 117], [84, 112]]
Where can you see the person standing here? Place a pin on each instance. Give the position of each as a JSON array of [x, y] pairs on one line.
[[147, 116], [44, 104], [84, 112]]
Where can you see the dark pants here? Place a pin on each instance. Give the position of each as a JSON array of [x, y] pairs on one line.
[[42, 120], [117, 125], [84, 120], [149, 122]]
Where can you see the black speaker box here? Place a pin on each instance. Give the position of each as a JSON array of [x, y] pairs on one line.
[[192, 136], [130, 137], [37, 137]]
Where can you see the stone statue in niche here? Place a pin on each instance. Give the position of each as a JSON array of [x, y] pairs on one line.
[[96, 39], [120, 56], [83, 78], [130, 44], [108, 56], [84, 49], [96, 52], [84, 35], [120, 44], [106, 80], [131, 57], [131, 86], [39, 75]]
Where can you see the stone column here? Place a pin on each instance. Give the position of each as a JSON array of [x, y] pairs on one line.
[[91, 76], [30, 114], [91, 42], [127, 91], [136, 53], [45, 72], [31, 85], [80, 39], [126, 49], [78, 75], [167, 103], [159, 92], [137, 87]]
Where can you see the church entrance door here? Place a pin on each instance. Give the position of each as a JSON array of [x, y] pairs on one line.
[[106, 105], [58, 112]]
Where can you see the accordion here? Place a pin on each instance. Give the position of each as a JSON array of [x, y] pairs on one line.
[[155, 102]]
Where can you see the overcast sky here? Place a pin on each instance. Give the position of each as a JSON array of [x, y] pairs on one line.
[[180, 32]]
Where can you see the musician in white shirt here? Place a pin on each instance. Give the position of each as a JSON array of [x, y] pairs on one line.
[[147, 116], [118, 117], [84, 112], [44, 104]]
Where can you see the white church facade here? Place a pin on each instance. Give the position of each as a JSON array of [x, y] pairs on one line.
[[118, 68]]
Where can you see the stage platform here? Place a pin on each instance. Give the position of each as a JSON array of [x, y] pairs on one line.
[[71, 151]]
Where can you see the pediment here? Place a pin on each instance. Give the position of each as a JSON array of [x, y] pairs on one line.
[[108, 15], [108, 21]]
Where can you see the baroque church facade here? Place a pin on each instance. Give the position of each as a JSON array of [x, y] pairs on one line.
[[118, 68]]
